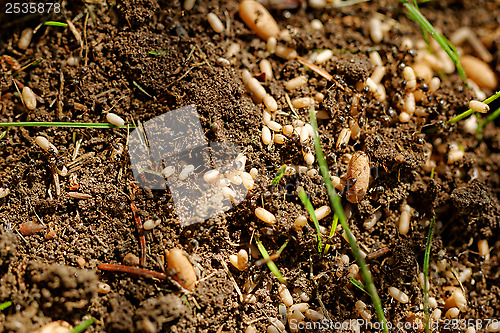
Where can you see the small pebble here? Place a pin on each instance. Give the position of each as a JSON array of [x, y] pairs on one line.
[[131, 259], [81, 262], [103, 288], [31, 228]]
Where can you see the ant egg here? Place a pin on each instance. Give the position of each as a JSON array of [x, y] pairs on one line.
[[240, 260], [322, 212], [398, 295], [286, 53], [478, 106], [4, 192], [270, 103], [266, 135], [215, 22], [302, 102], [288, 130], [304, 135], [279, 138], [233, 50], [211, 176], [295, 83], [29, 98], [115, 119], [45, 144], [257, 89], [265, 215], [299, 223], [25, 39], [189, 4], [309, 158], [254, 173], [188, 169], [247, 180], [378, 74], [274, 126], [376, 32], [314, 315], [267, 69], [404, 219], [285, 295], [343, 138]]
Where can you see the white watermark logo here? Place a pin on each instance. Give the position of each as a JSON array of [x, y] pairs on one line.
[[354, 325], [171, 152]]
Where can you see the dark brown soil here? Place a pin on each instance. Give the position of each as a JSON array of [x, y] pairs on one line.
[[52, 274]]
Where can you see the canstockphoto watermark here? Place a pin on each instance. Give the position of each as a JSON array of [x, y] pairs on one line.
[[355, 324], [171, 152]]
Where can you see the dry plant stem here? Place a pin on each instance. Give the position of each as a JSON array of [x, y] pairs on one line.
[[315, 68], [426, 274], [339, 211], [132, 270], [233, 281], [378, 253], [55, 175], [140, 230]]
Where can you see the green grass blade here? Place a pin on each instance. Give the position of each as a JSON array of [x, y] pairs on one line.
[[55, 24], [5, 305], [141, 89], [310, 209], [332, 231], [445, 44], [62, 124], [467, 113], [282, 247], [83, 326], [358, 285], [158, 52], [488, 119], [3, 135], [272, 266], [426, 274], [337, 206], [278, 177]]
